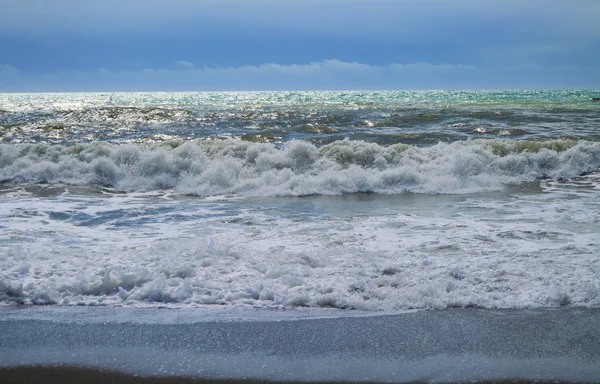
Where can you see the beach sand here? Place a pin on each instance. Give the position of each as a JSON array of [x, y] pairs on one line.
[[76, 375], [120, 345], [72, 375]]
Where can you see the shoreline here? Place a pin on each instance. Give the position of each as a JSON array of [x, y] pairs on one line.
[[80, 374], [76, 374], [102, 345]]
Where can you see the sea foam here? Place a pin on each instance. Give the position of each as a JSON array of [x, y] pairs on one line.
[[409, 252], [235, 167]]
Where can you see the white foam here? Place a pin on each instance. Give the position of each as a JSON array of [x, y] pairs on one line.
[[298, 168], [535, 251]]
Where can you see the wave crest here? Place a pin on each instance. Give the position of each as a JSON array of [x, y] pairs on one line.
[[299, 168]]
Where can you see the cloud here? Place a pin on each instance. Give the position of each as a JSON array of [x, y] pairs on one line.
[[327, 74], [182, 35], [184, 64], [381, 19], [322, 75]]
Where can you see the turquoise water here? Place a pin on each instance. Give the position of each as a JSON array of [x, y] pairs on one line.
[[416, 118]]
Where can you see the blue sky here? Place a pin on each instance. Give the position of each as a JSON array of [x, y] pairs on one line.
[[205, 45]]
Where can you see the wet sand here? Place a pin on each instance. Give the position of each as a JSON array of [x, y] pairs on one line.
[[101, 345], [76, 375], [72, 375]]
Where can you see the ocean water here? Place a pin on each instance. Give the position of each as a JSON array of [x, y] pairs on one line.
[[373, 201]]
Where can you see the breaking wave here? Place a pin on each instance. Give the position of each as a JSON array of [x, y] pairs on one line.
[[235, 167]]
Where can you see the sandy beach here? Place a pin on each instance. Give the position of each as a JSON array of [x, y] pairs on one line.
[[72, 375], [148, 345], [68, 375]]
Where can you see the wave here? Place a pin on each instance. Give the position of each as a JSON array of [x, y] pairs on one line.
[[236, 167]]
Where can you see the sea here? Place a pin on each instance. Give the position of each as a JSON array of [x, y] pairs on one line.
[[379, 201]]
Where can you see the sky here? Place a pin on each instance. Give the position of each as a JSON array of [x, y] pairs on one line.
[[217, 45]]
